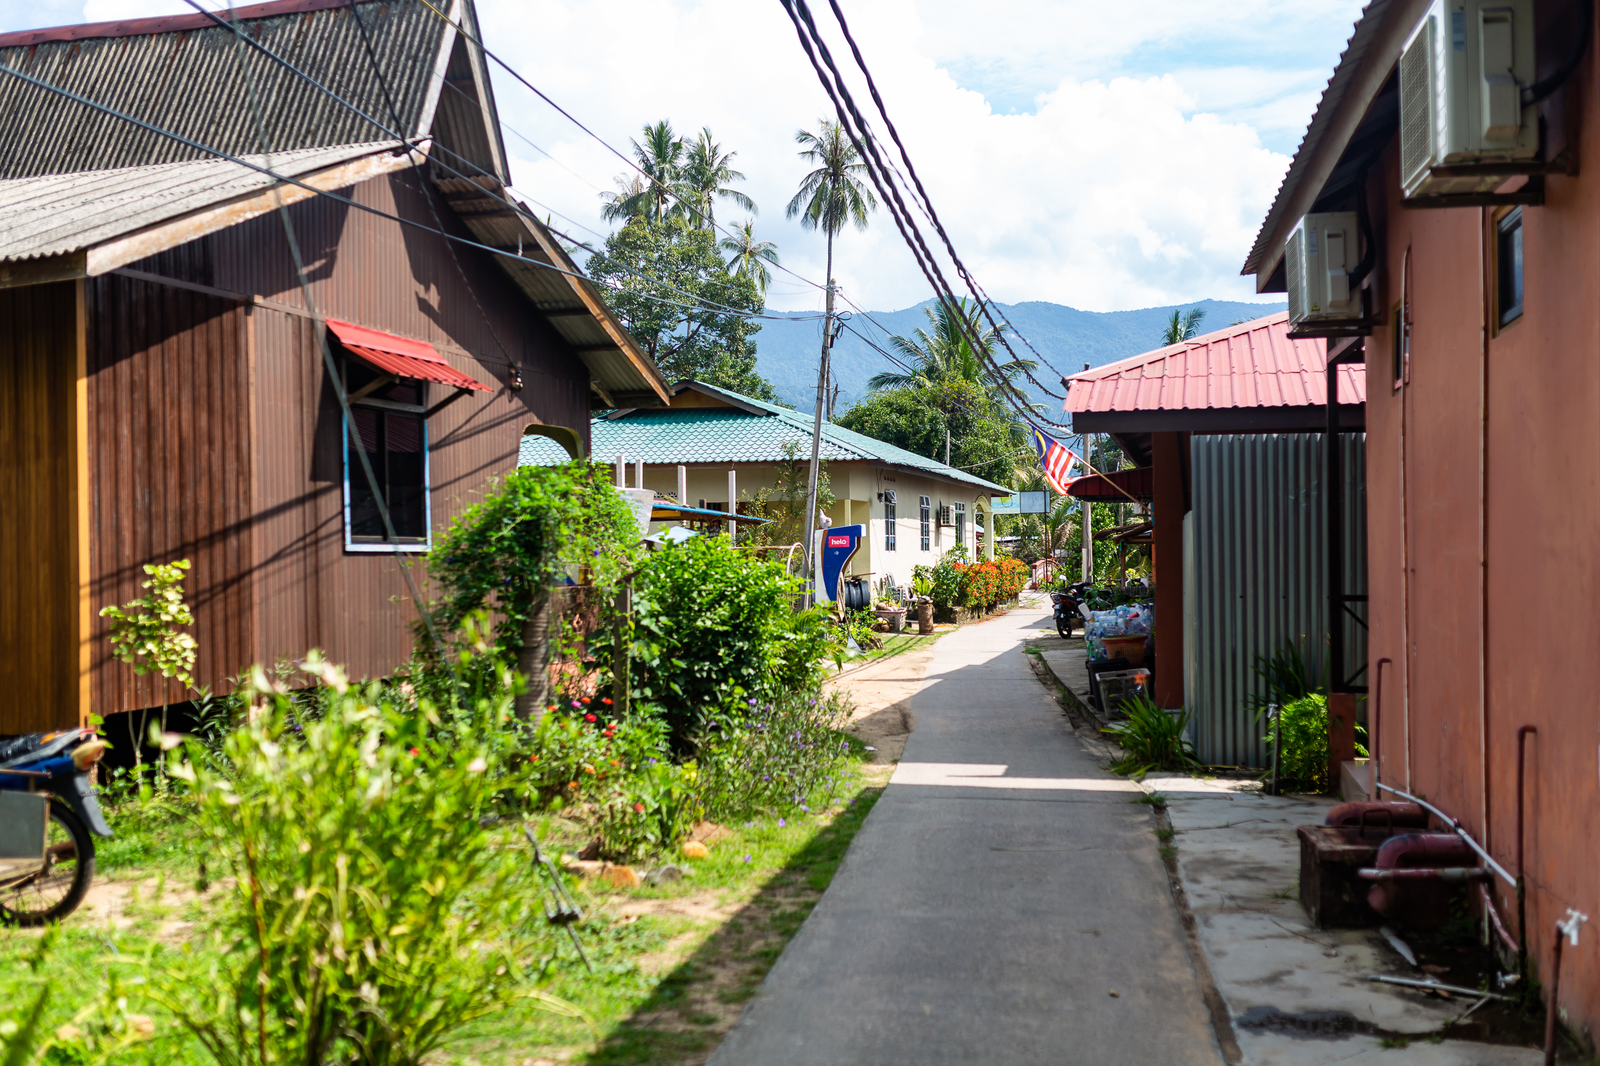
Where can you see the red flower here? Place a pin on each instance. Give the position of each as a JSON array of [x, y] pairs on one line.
[[638, 808], [414, 751], [606, 700], [589, 718], [586, 699]]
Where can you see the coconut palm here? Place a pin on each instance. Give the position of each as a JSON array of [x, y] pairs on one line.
[[1181, 327], [706, 175], [650, 196], [833, 193], [627, 202], [749, 257], [942, 352]]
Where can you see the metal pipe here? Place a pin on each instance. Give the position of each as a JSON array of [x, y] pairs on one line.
[[1426, 873], [1551, 1008], [1494, 920], [1372, 726], [1455, 826], [1434, 986], [1522, 868]]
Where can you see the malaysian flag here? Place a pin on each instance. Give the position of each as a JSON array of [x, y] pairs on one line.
[[1056, 458]]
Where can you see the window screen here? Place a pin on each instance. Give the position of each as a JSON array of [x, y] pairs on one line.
[[1508, 267], [389, 424]]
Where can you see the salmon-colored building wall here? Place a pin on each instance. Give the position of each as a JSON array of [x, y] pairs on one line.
[[1483, 530]]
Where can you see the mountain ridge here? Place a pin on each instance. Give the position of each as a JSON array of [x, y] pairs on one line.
[[1067, 338]]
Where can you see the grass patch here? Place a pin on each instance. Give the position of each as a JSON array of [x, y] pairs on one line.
[[894, 644], [1165, 833]]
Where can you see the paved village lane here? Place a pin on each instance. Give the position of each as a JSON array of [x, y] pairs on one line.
[[978, 918]]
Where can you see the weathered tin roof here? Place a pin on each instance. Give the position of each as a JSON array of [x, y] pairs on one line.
[[748, 431], [1250, 365], [53, 214], [189, 75]]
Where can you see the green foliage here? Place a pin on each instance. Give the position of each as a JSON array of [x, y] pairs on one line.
[[1181, 327], [785, 503], [858, 627], [833, 193], [538, 525], [782, 754], [714, 629], [144, 632], [582, 753], [1301, 728], [1286, 677], [650, 811], [371, 912], [984, 437], [1152, 739], [645, 271]]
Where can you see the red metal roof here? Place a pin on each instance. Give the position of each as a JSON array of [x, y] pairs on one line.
[[401, 356], [1253, 364], [1137, 482]]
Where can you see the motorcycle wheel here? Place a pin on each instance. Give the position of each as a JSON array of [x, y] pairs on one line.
[[1063, 630], [53, 890]]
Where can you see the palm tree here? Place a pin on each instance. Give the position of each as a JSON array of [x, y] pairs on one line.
[[943, 353], [706, 174], [832, 194], [627, 202], [1181, 327], [660, 158], [749, 257]]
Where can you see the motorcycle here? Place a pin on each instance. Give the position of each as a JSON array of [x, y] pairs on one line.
[[1066, 606], [44, 777]]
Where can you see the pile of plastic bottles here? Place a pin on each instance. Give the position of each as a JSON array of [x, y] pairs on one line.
[[1118, 621]]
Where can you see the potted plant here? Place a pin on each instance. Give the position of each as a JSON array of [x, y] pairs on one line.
[[923, 587]]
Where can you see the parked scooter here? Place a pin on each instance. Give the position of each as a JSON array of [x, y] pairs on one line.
[[44, 784], [1066, 606]]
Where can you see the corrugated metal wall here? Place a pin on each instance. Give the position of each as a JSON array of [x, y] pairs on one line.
[[1259, 574]]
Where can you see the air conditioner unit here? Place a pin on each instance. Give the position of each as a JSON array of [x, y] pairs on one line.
[[1321, 252], [944, 515], [1462, 73]]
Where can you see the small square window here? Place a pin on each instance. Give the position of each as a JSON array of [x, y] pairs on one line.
[[1508, 267]]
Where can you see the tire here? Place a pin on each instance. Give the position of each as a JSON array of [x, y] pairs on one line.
[[1064, 631], [55, 890]]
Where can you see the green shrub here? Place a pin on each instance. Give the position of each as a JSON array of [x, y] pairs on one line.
[[715, 630], [948, 580], [777, 755], [1152, 739], [372, 913], [579, 753], [650, 810], [1303, 754]]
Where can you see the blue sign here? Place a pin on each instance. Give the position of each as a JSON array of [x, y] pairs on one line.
[[839, 543]]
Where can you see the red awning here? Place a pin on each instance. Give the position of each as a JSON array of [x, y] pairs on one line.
[[1118, 486], [401, 356]]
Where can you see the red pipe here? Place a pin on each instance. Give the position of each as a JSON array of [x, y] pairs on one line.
[[1393, 815], [1522, 870], [1433, 850], [1550, 1008], [1494, 920], [1372, 730]]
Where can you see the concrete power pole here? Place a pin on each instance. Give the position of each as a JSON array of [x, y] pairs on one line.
[[1088, 531], [816, 432]]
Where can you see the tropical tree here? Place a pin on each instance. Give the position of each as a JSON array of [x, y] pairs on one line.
[[628, 202], [983, 439], [650, 196], [833, 193], [671, 288], [748, 257], [1181, 327], [706, 175], [942, 352]]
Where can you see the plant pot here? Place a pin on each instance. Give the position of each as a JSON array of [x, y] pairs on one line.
[[1129, 647], [925, 617], [893, 621]]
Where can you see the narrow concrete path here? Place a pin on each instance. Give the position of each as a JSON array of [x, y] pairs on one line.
[[980, 921]]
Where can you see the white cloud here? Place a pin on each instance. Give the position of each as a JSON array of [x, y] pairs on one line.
[[1079, 152]]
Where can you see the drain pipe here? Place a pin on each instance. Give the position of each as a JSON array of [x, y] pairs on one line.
[[1567, 930], [1522, 866], [1374, 738], [1455, 826]]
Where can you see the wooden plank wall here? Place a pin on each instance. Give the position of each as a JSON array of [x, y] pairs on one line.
[[39, 580], [169, 472]]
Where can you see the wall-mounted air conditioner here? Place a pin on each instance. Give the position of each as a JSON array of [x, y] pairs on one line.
[[1322, 251], [944, 515], [1461, 79]]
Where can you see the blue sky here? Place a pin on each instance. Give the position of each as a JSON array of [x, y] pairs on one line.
[[1105, 156]]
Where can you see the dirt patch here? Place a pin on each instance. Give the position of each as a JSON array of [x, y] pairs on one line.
[[880, 701], [153, 904]]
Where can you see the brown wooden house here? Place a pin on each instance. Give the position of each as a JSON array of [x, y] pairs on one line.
[[162, 383]]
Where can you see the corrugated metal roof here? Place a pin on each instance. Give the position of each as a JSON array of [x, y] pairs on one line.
[[402, 356], [1308, 164], [731, 435], [192, 82], [1253, 364], [58, 213]]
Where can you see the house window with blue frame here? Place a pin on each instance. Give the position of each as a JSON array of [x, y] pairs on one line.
[[388, 413]]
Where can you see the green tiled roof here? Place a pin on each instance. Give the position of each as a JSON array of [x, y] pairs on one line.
[[732, 435]]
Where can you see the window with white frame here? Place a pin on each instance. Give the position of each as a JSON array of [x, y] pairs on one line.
[[925, 515], [888, 524], [389, 422], [961, 524]]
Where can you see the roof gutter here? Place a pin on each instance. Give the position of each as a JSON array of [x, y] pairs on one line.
[[1374, 49]]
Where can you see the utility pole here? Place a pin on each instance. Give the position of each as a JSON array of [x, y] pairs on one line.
[[816, 433], [1088, 533], [946, 445]]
